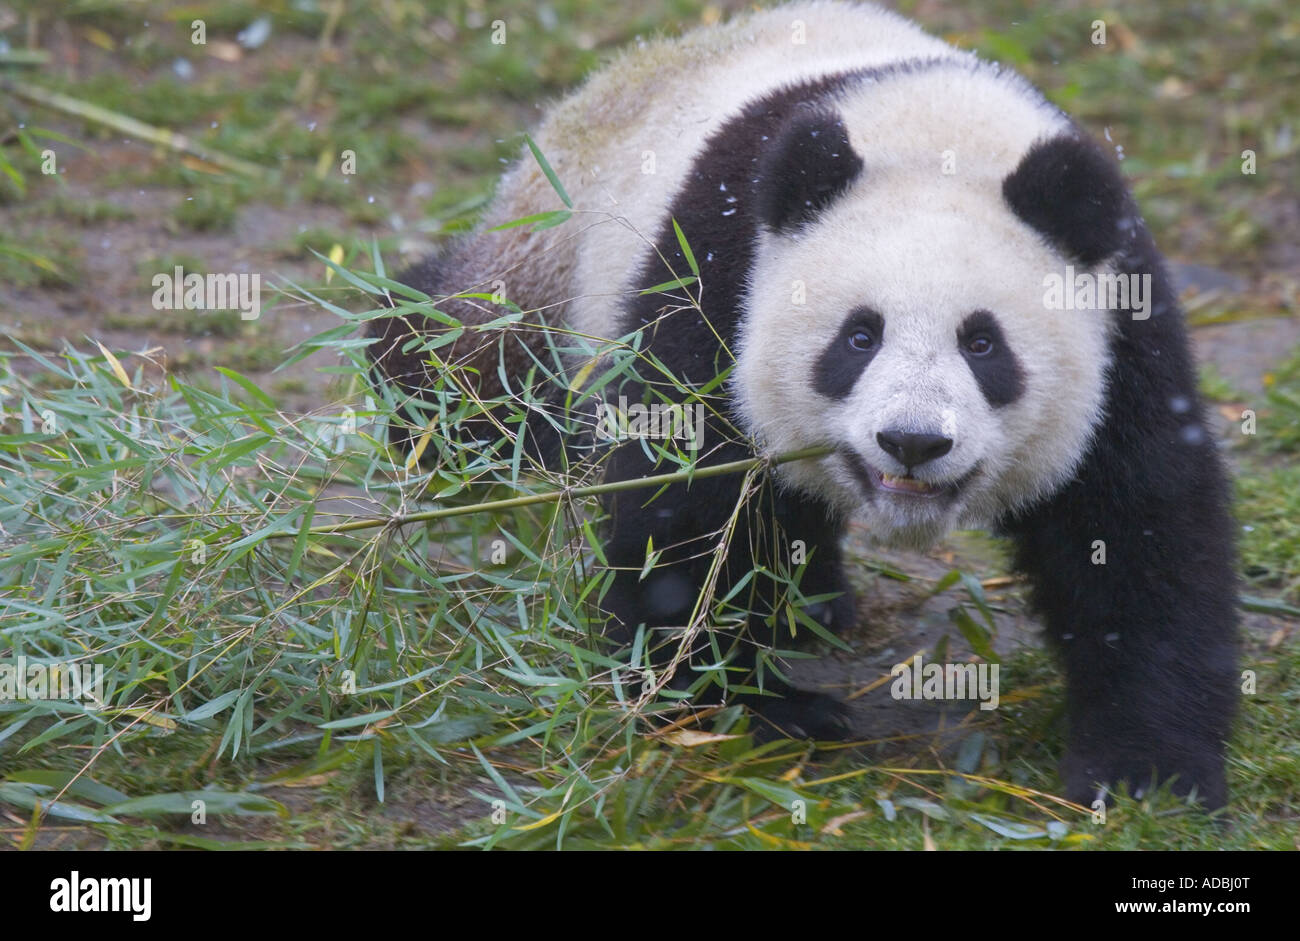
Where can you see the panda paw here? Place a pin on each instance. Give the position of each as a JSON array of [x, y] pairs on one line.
[[800, 714], [1092, 778]]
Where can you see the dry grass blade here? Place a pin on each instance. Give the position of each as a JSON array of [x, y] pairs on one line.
[[129, 125]]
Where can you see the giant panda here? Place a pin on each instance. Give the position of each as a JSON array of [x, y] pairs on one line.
[[874, 216]]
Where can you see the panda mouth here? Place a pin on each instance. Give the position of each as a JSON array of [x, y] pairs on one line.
[[907, 485], [873, 480]]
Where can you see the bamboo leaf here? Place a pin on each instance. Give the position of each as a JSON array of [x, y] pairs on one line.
[[686, 249], [116, 366], [546, 169]]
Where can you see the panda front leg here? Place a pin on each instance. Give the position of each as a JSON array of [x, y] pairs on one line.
[[1132, 569], [808, 534], [705, 535]]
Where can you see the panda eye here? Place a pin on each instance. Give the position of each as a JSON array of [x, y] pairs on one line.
[[979, 346], [862, 341]]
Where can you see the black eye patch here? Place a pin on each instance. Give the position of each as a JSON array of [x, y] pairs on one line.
[[854, 346], [985, 349]]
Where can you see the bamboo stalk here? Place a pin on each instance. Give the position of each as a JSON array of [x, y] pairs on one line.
[[553, 496], [129, 125]]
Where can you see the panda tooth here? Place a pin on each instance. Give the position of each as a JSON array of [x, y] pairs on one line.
[[909, 484]]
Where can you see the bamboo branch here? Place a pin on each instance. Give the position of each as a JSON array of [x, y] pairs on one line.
[[554, 496]]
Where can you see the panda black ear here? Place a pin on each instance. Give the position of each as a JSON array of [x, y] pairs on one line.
[[804, 168], [1071, 191]]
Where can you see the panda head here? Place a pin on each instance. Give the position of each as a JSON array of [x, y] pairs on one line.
[[895, 310]]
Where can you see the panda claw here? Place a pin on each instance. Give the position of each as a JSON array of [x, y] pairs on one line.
[[1202, 785]]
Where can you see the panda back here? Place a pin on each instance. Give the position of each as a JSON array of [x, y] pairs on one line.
[[626, 142]]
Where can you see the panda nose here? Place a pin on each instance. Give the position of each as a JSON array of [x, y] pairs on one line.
[[912, 449]]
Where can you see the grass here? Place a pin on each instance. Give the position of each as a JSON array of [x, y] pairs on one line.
[[1283, 406], [52, 259], [1270, 541], [208, 211], [1268, 496], [182, 538], [386, 687], [82, 212]]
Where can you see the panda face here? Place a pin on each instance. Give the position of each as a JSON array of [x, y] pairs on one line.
[[895, 308], [905, 328]]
